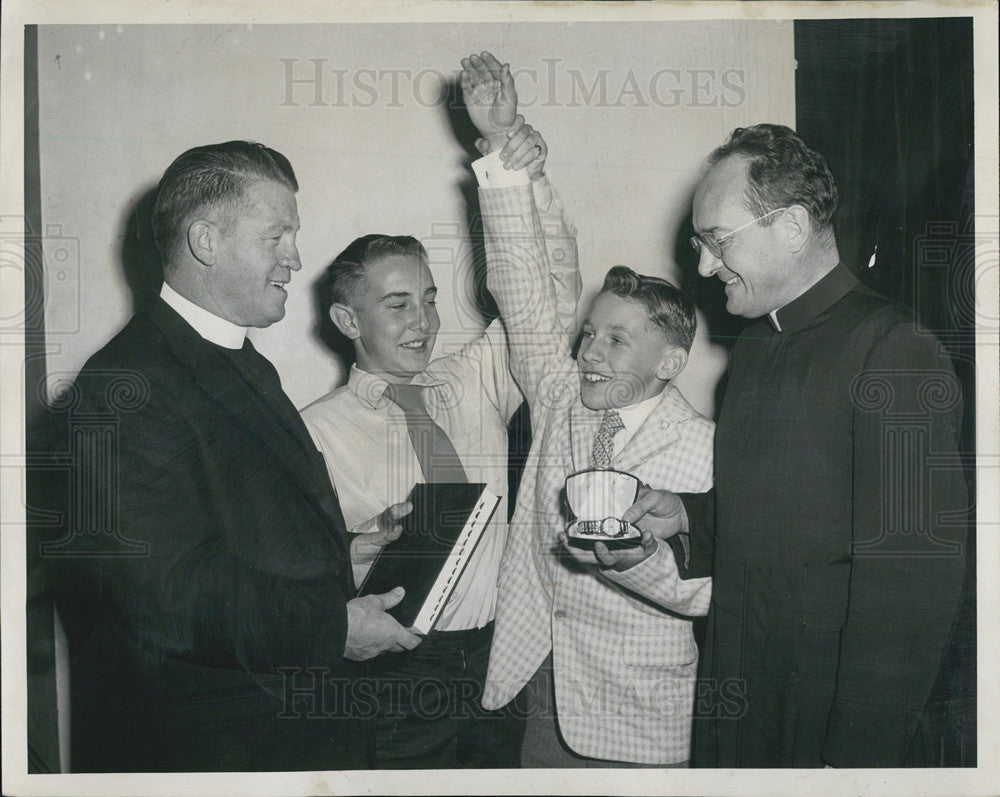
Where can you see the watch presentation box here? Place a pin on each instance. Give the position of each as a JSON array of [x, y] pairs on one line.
[[598, 498]]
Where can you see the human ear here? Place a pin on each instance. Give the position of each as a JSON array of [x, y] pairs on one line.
[[797, 226], [345, 319], [672, 363], [203, 241]]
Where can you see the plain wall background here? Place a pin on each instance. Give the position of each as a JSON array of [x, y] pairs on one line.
[[629, 110]]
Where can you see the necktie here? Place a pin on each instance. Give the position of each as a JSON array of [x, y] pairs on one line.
[[437, 456], [604, 440]]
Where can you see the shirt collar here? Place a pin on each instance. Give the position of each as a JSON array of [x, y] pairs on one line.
[[831, 287], [370, 388], [635, 415], [212, 328]]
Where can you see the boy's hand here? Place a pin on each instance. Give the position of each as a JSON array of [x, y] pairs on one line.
[[618, 560], [490, 98], [366, 544]]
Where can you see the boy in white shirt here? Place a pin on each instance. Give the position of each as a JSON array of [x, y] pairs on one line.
[[381, 295]]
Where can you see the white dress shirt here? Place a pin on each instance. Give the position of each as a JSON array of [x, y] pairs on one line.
[[363, 437]]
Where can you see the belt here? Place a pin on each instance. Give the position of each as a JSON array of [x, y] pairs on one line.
[[462, 635]]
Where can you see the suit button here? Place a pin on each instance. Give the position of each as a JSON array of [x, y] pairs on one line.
[[559, 614]]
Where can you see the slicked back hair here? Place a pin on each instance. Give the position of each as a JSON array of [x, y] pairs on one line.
[[211, 176], [666, 305], [781, 171], [346, 274]]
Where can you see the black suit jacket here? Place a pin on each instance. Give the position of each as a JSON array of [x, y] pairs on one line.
[[208, 540]]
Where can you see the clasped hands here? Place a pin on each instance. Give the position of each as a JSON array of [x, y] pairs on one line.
[[658, 514], [491, 100]]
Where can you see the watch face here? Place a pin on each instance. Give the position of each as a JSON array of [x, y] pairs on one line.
[[613, 527]]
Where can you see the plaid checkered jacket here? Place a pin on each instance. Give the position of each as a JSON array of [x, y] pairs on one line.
[[624, 655]]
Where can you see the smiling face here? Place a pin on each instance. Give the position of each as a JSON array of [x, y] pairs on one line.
[[254, 257], [754, 266], [624, 358], [392, 318]]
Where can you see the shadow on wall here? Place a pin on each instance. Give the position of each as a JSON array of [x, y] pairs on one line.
[[466, 134], [141, 263]]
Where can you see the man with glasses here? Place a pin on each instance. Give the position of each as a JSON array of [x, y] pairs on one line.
[[834, 534]]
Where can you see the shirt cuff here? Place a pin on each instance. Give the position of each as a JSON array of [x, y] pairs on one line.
[[491, 174]]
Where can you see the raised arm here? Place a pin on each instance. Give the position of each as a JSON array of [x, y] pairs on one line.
[[532, 266], [491, 99], [657, 578]]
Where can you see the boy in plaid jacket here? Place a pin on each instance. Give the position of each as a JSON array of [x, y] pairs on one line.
[[612, 627]]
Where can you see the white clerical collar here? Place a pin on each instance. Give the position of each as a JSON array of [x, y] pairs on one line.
[[635, 415], [774, 319], [212, 328]]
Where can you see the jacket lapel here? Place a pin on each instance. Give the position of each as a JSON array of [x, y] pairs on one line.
[[658, 431], [278, 404], [236, 394]]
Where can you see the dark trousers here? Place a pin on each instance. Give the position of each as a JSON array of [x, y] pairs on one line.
[[430, 713]]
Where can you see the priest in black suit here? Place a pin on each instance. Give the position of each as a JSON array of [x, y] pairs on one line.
[[214, 579], [835, 534]]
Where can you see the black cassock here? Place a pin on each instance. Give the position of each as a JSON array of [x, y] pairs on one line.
[[837, 568]]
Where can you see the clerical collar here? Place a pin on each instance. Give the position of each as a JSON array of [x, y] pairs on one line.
[[832, 287], [210, 326]]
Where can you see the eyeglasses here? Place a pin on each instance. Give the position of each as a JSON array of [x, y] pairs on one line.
[[714, 245]]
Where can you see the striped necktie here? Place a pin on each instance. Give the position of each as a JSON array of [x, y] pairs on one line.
[[437, 456]]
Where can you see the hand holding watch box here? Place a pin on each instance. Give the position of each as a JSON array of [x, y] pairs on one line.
[[598, 499]]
